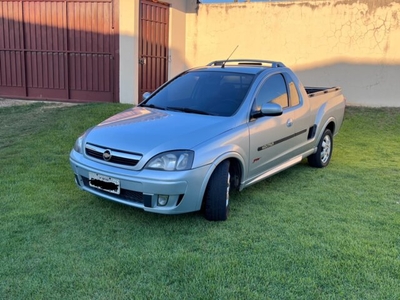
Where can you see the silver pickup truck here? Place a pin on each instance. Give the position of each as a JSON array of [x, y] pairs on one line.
[[207, 131]]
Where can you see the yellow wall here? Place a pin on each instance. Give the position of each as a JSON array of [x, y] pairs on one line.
[[352, 44], [177, 37], [129, 50]]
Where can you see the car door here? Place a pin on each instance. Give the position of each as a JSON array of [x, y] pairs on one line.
[[271, 137]]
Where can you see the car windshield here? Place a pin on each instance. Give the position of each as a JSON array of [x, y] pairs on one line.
[[203, 92]]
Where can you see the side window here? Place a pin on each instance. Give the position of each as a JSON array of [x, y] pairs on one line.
[[294, 95], [273, 90]]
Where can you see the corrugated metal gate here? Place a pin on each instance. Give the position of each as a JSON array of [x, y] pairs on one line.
[[58, 49], [153, 47]]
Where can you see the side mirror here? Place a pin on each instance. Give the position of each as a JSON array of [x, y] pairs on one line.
[[271, 109], [146, 95]]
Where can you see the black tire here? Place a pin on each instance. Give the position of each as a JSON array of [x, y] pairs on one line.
[[322, 157], [216, 197]]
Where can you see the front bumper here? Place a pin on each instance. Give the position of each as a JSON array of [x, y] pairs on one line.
[[143, 188]]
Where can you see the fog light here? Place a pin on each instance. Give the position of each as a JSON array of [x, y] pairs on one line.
[[162, 200], [77, 180]]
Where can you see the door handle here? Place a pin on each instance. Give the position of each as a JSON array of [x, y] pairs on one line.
[[142, 61], [289, 123]]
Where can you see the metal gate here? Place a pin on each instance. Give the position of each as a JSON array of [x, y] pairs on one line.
[[153, 47], [58, 50]]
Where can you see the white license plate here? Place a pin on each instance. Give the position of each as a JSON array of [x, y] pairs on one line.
[[104, 183]]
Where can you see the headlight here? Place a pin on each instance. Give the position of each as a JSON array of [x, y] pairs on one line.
[[172, 161], [78, 147], [78, 144]]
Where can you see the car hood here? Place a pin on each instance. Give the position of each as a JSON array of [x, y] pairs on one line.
[[143, 130]]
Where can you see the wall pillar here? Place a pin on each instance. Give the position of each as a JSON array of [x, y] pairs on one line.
[[129, 42]]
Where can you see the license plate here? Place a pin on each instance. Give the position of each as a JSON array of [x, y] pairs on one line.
[[104, 183]]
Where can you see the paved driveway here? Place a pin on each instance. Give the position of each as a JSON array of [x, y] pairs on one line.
[[11, 102]]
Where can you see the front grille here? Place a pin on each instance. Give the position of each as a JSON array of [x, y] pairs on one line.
[[93, 153], [117, 157], [127, 195]]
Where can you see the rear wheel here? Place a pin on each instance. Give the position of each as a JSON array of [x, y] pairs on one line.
[[216, 197], [322, 157]]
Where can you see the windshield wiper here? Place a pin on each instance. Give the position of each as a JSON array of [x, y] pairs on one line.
[[189, 110], [152, 106]]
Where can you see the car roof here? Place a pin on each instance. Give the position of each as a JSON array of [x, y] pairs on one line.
[[247, 66], [229, 69]]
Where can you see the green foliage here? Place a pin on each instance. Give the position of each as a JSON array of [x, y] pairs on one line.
[[305, 233]]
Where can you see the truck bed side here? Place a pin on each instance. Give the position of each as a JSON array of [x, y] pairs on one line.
[[314, 91], [324, 104]]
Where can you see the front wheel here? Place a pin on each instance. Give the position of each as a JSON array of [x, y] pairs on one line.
[[216, 197], [322, 157]]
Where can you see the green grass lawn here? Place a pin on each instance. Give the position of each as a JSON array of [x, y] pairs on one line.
[[305, 233]]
